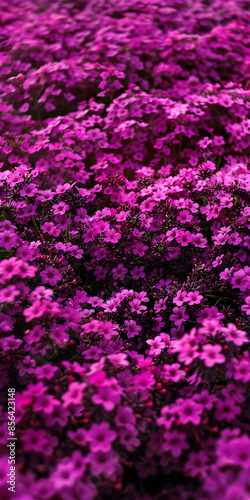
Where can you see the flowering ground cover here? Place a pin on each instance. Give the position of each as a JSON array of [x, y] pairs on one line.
[[125, 248]]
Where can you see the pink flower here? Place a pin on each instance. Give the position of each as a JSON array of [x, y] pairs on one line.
[[60, 208], [167, 418], [118, 359], [242, 370], [40, 292], [64, 476], [246, 307], [199, 241], [36, 310], [180, 297], [140, 249], [172, 234], [232, 334], [211, 355], [74, 394], [45, 404], [46, 371], [210, 327], [193, 298], [156, 346], [51, 275], [173, 372]]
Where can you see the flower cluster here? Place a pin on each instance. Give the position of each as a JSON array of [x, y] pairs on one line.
[[125, 248]]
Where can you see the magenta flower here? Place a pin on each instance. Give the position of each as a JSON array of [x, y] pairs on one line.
[[44, 404], [46, 371], [28, 190], [8, 239], [242, 370], [137, 306], [188, 410], [9, 268], [234, 451], [107, 397], [125, 417], [9, 294], [210, 326], [51, 275], [128, 438], [173, 372], [144, 380], [137, 272], [226, 410], [184, 216], [112, 236], [119, 359], [184, 238], [65, 475], [175, 442], [74, 394]]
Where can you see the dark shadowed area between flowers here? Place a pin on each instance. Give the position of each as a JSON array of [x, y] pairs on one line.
[[125, 248]]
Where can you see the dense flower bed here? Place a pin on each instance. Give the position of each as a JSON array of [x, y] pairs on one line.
[[125, 248]]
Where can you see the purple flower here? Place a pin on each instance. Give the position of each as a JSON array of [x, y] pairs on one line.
[[100, 437], [119, 272], [102, 462], [179, 315], [34, 440]]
